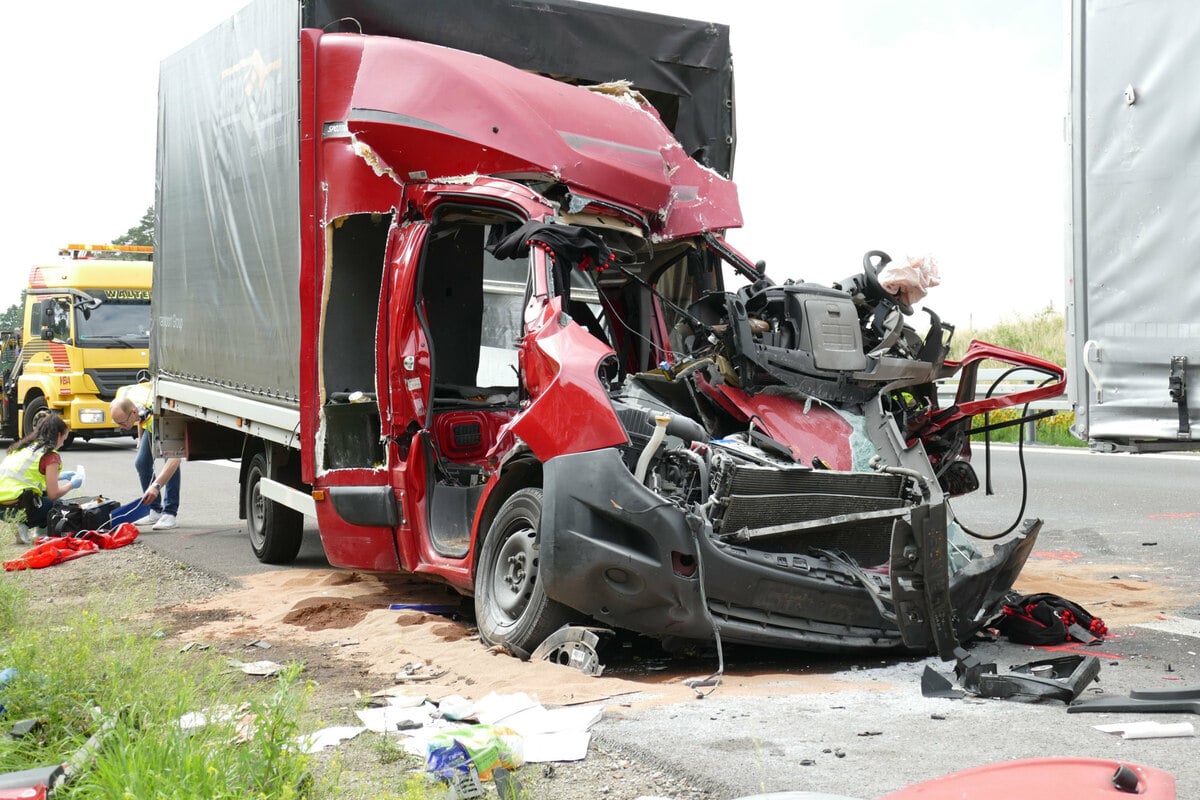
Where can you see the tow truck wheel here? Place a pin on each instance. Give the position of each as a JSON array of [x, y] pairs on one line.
[[511, 608], [35, 409], [276, 531]]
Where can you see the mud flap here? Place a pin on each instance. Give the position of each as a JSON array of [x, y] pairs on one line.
[[920, 576]]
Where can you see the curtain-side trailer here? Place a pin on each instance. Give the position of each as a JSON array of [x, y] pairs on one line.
[[1133, 339]]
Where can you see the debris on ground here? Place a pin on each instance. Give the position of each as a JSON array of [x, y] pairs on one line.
[[1148, 730], [1062, 678], [1182, 701], [261, 669], [463, 741]]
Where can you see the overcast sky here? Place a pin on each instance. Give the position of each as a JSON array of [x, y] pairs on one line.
[[918, 127]]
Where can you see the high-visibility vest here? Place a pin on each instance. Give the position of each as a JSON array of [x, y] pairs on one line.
[[19, 471]]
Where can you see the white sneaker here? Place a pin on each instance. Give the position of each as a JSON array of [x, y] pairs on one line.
[[165, 523], [24, 535], [149, 519]]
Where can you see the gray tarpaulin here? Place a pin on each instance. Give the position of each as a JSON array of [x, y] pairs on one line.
[[227, 264], [1136, 212]]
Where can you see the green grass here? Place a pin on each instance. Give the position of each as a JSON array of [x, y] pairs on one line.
[[1042, 335], [92, 673], [1054, 430], [99, 670]]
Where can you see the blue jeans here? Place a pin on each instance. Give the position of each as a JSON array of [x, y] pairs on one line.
[[36, 507], [167, 501]]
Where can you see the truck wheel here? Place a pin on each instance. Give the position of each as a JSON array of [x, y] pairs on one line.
[[35, 409], [276, 531], [511, 608]]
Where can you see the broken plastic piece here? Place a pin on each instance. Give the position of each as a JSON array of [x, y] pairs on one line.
[[1144, 700], [1062, 678], [934, 684], [24, 727], [1067, 678], [572, 646], [968, 668]]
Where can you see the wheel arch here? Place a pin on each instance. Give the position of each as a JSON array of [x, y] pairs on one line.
[[33, 396], [250, 448], [282, 461], [520, 473]]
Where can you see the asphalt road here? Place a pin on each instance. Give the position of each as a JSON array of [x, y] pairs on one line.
[[874, 732], [210, 535]]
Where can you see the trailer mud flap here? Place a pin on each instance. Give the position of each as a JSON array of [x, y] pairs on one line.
[[920, 580]]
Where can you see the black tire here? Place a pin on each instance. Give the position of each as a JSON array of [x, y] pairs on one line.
[[276, 531], [35, 409], [511, 608]]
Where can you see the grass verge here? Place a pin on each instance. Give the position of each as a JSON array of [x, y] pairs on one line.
[[1053, 430], [93, 675]]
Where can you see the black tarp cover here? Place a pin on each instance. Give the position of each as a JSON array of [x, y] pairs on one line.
[[683, 66]]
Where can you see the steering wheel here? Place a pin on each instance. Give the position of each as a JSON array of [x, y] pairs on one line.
[[873, 261]]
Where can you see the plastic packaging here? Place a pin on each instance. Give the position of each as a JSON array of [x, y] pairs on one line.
[[486, 746]]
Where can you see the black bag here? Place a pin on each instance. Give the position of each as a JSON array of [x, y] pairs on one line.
[[1047, 619], [71, 517]]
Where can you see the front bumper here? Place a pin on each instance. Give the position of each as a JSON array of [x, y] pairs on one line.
[[616, 551]]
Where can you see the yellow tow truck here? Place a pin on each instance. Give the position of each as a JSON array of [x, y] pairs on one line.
[[86, 333]]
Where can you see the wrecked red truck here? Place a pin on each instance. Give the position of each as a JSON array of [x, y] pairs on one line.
[[464, 297]]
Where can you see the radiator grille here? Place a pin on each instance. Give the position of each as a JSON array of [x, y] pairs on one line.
[[762, 497], [109, 380]]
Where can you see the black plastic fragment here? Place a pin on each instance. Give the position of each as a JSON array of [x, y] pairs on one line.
[[1144, 700]]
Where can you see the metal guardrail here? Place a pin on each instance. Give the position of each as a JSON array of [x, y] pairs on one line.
[[1017, 381]]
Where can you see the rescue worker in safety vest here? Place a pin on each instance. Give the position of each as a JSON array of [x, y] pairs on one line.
[[31, 478], [134, 406]]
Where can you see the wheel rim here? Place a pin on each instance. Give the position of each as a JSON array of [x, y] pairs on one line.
[[41, 410], [515, 572], [256, 511]]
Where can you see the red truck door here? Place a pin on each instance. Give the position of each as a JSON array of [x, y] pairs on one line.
[[448, 380]]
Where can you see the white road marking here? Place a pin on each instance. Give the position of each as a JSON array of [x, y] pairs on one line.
[[1180, 626]]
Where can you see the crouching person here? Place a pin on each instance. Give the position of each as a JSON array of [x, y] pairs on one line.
[[31, 478]]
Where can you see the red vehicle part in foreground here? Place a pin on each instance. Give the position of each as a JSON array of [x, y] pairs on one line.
[[1046, 779]]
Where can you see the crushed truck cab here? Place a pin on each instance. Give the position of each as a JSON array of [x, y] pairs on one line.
[[511, 350]]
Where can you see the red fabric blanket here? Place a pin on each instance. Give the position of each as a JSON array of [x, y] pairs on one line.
[[50, 550]]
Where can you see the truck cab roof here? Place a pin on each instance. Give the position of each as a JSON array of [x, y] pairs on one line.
[[91, 273]]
